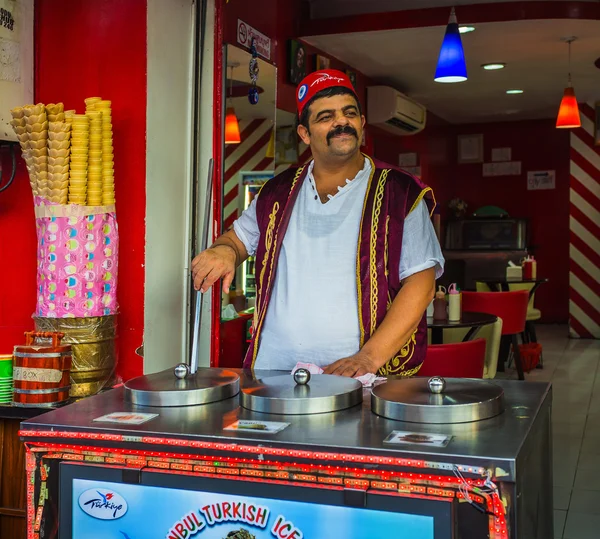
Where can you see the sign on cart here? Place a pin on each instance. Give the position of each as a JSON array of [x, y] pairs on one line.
[[263, 427], [126, 418], [245, 34], [141, 511], [418, 438]]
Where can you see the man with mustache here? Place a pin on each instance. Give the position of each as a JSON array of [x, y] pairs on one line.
[[346, 255]]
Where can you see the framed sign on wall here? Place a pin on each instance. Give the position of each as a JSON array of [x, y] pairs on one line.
[[470, 148]]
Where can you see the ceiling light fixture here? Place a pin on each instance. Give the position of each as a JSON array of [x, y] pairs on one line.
[[514, 91], [232, 126], [451, 66], [568, 113], [493, 67], [466, 29]]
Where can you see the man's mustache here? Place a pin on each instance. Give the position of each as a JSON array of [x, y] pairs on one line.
[[341, 130]]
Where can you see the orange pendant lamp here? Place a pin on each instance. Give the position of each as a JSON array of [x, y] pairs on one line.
[[232, 127], [568, 113]]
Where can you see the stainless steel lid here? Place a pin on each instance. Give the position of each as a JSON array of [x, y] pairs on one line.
[[165, 389], [286, 394], [437, 400]]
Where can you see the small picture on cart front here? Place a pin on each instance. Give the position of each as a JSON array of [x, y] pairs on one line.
[[418, 438], [240, 534]]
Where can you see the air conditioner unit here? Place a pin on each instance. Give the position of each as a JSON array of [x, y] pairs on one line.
[[393, 111]]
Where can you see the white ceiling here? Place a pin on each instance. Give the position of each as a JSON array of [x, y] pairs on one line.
[[339, 8], [537, 62]]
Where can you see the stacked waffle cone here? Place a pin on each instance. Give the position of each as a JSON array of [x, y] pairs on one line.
[[95, 155], [78, 172], [108, 163], [30, 123], [69, 156], [59, 146], [19, 126]]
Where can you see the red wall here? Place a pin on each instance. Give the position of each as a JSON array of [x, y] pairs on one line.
[[539, 146], [433, 147], [17, 257], [85, 49]]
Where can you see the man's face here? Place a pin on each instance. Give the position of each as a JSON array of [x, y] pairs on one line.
[[335, 126]]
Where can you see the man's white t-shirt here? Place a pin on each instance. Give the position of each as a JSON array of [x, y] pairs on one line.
[[313, 313]]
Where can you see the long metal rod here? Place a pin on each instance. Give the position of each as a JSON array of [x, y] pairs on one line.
[[199, 295]]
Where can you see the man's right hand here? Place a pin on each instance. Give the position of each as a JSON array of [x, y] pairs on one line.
[[218, 262]]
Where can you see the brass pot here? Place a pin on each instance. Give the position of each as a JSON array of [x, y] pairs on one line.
[[94, 350]]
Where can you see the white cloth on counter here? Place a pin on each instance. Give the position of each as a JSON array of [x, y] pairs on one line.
[[367, 380]]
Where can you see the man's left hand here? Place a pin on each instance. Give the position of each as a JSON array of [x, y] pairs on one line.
[[355, 365]]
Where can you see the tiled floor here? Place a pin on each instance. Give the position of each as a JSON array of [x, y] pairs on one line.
[[573, 367]]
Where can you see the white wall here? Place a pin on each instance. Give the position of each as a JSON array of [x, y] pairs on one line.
[[168, 182], [16, 68]]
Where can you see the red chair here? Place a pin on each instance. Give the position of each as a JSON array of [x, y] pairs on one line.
[[456, 360], [511, 307]]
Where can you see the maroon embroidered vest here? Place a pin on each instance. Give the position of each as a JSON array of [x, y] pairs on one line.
[[391, 195]]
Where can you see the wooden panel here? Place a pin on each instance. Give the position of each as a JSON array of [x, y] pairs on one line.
[[12, 527], [12, 481]]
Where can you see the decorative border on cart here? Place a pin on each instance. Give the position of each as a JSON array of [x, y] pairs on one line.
[[481, 491]]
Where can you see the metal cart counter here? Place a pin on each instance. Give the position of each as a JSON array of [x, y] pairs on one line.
[[270, 461]]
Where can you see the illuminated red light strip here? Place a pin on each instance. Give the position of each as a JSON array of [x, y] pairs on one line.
[[441, 480], [498, 527], [254, 480], [30, 471], [237, 448]]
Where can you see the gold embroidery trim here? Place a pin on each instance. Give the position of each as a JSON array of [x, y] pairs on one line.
[[268, 244], [403, 374], [295, 180], [373, 247], [386, 248], [358, 283], [270, 248], [420, 197], [396, 364]]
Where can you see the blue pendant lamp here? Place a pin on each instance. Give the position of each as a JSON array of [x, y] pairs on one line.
[[451, 66]]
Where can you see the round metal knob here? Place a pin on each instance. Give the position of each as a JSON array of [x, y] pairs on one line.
[[302, 376], [181, 370], [436, 384]]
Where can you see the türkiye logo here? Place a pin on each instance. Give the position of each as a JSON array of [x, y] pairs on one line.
[[302, 92], [102, 504]]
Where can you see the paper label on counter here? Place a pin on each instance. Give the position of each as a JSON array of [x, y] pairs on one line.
[[264, 427], [418, 438], [126, 418]]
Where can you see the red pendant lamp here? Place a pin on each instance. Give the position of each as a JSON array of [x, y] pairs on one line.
[[232, 127], [568, 113]]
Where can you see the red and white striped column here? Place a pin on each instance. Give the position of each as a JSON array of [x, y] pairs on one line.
[[249, 155], [584, 275]]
